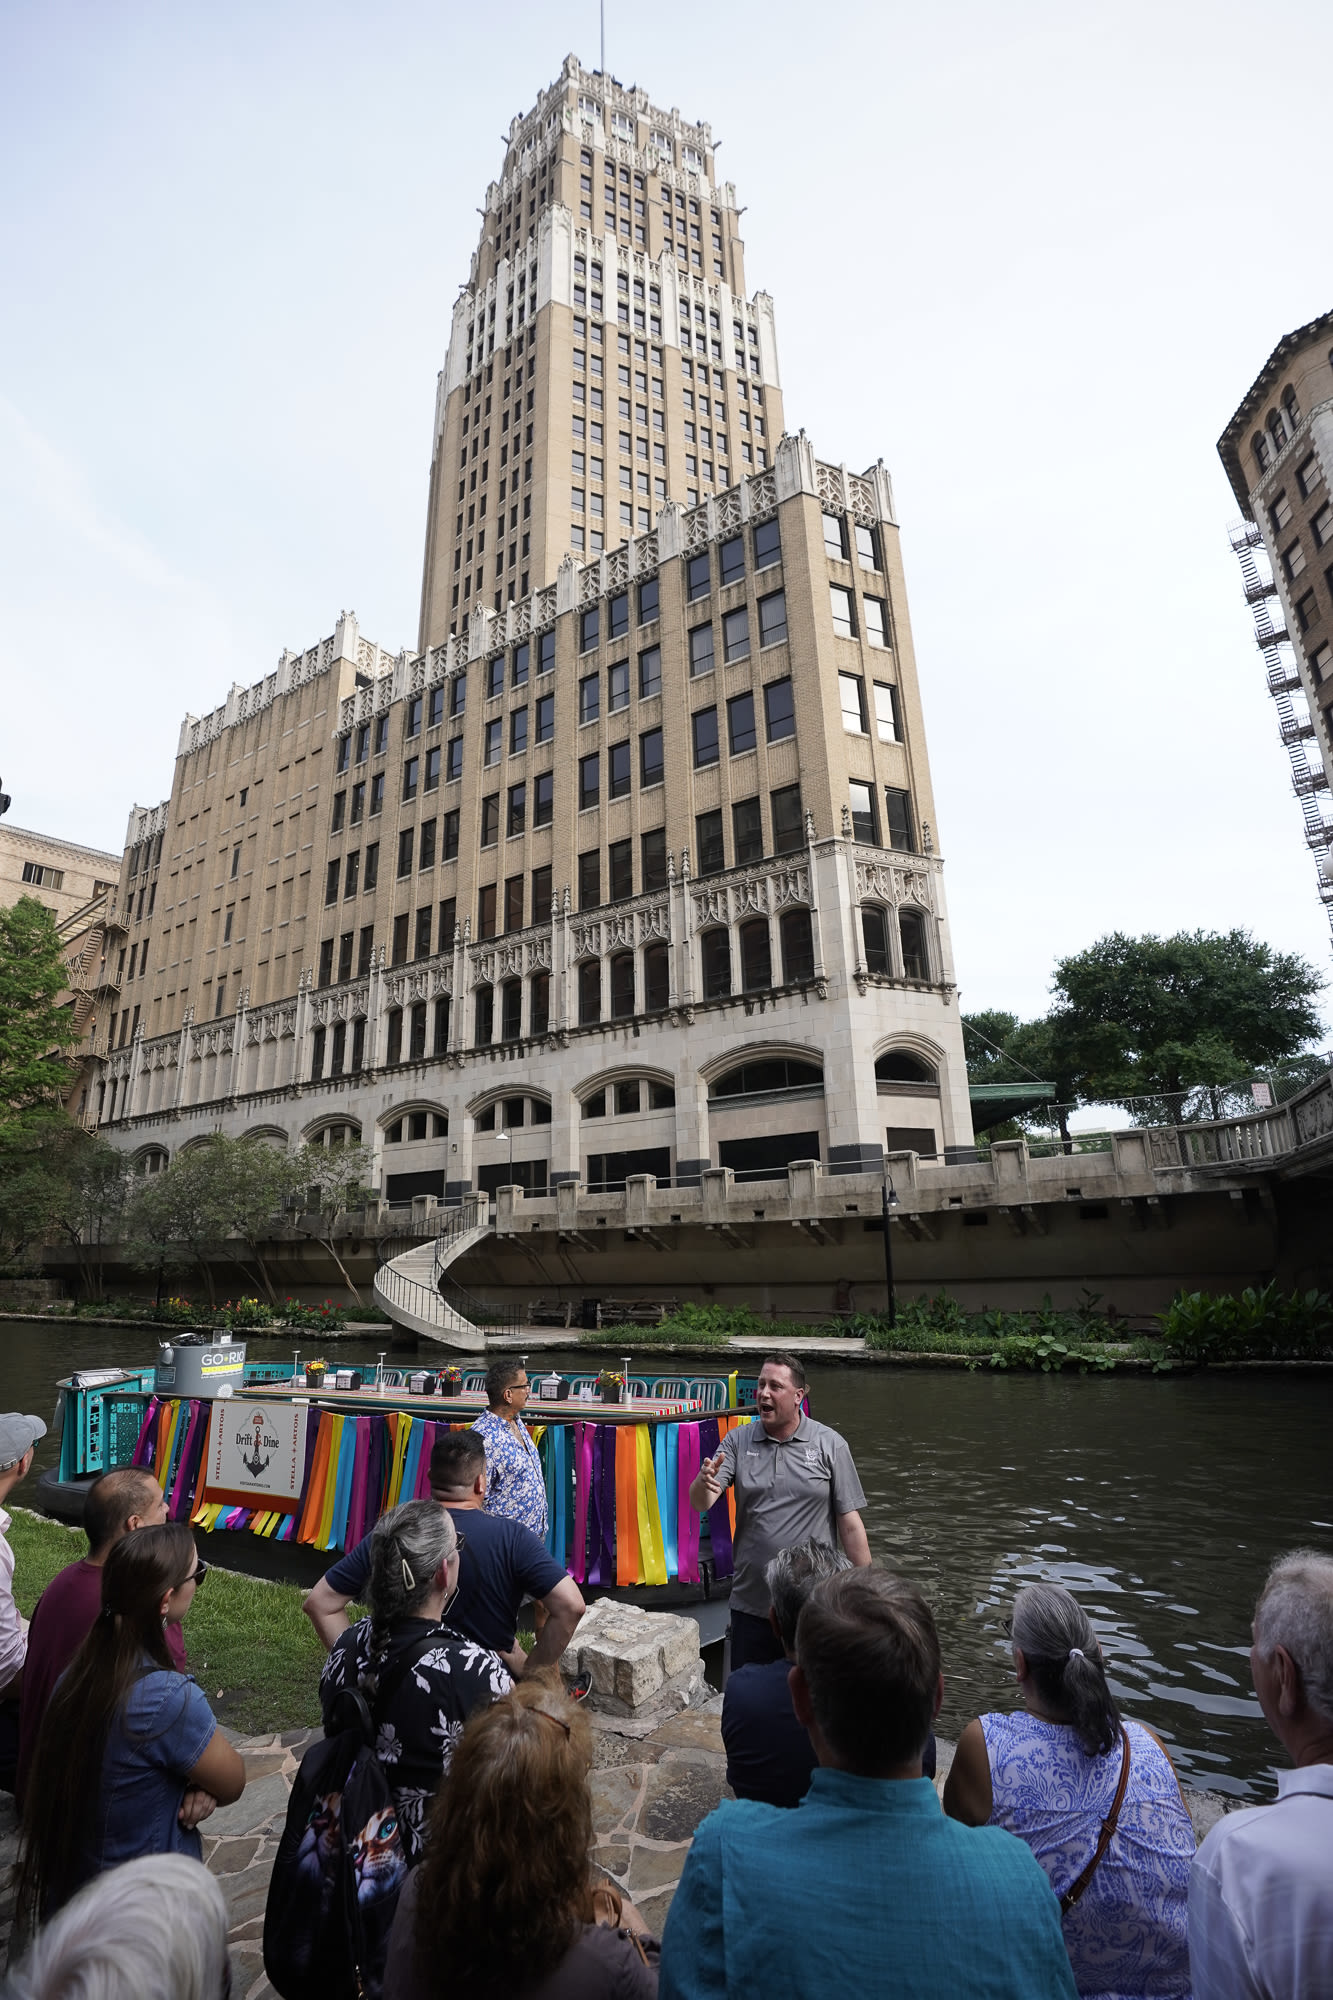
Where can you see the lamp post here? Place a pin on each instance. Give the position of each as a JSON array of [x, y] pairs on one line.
[[889, 1199]]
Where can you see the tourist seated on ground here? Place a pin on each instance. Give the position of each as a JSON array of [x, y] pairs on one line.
[[414, 1552], [769, 1753], [504, 1905], [504, 1563], [152, 1929], [129, 1758], [866, 1887], [1051, 1774], [1261, 1889], [115, 1505]]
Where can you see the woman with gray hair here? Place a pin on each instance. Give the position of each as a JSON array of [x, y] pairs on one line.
[[153, 1929], [413, 1580], [1095, 1798]]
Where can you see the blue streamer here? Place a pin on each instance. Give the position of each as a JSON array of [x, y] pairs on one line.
[[412, 1460], [666, 1494], [342, 1497], [558, 1433]]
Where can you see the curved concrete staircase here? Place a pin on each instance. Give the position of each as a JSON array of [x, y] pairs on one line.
[[407, 1288]]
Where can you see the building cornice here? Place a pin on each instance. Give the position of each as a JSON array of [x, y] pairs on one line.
[[52, 844], [1259, 391]]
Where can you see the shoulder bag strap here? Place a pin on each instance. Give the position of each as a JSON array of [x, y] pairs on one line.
[[391, 1681], [1076, 1888]]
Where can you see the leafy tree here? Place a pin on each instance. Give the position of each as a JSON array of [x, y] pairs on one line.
[[338, 1175], [35, 1031], [92, 1184], [210, 1196], [1157, 1018]]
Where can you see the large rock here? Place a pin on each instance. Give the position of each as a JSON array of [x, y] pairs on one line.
[[639, 1661]]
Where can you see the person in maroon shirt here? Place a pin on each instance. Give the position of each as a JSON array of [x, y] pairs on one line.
[[116, 1504]]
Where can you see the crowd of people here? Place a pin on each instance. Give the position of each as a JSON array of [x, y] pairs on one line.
[[1060, 1858]]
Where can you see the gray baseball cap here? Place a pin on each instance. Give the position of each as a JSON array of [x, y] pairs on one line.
[[17, 1435]]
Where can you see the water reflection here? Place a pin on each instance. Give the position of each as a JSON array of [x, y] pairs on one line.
[[1160, 1504]]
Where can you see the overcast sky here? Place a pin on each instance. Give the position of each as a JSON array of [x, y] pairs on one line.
[[1028, 254]]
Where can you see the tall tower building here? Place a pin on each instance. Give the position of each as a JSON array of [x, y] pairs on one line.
[[631, 867], [1278, 454], [603, 356]]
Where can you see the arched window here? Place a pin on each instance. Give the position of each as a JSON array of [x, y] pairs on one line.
[[317, 1041], [441, 1025], [912, 933], [417, 1037], [154, 1161], [1277, 429], [767, 1073], [511, 1010], [875, 931], [656, 979], [539, 1003], [393, 1052], [1291, 410], [590, 992], [798, 947], [622, 985], [484, 1017], [715, 952], [1259, 446], [756, 956], [901, 1066]]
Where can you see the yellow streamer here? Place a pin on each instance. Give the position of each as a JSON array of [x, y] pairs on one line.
[[652, 1555], [731, 1388], [402, 1439]]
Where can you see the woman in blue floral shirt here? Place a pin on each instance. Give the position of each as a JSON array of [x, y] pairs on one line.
[[514, 1483], [413, 1580]]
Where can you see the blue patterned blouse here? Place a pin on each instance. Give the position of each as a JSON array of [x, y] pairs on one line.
[[1126, 1936], [514, 1483]]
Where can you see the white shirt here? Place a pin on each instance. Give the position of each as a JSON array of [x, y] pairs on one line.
[[13, 1627], [1261, 1897]]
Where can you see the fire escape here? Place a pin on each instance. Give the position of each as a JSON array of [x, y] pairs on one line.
[[1296, 727]]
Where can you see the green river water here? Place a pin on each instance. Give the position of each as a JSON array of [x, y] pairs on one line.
[[1159, 1502]]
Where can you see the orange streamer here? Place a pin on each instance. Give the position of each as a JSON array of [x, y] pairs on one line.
[[308, 1526]]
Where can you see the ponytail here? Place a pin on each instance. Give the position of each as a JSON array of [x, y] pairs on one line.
[[1065, 1661]]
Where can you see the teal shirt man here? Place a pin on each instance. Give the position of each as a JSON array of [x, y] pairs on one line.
[[866, 1888]]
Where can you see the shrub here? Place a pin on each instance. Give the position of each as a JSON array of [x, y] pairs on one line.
[[1256, 1324]]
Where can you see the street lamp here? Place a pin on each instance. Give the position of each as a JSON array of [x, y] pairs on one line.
[[889, 1199]]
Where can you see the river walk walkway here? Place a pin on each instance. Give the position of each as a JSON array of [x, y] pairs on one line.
[[652, 1784]]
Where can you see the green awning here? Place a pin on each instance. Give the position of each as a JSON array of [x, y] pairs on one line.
[[996, 1103]]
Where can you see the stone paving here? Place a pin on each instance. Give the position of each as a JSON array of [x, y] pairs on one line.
[[653, 1781]]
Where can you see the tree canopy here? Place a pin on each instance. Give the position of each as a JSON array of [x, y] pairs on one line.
[[35, 1031]]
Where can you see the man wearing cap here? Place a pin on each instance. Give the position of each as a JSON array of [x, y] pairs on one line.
[[18, 1435]]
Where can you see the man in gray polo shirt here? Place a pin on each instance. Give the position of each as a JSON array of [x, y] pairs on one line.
[[795, 1482]]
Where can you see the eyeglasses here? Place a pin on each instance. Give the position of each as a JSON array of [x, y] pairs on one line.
[[198, 1573], [552, 1718]]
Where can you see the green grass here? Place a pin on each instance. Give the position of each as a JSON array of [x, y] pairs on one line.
[[253, 1652]]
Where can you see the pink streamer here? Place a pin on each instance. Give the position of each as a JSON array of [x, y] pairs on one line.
[[356, 1512], [687, 1517], [421, 1490], [582, 1486]]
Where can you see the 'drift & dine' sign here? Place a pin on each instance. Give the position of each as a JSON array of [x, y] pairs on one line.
[[256, 1454]]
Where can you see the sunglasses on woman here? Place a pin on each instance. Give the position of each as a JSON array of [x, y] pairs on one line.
[[198, 1573]]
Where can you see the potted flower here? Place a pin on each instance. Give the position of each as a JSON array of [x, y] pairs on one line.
[[314, 1374], [611, 1386], [451, 1382]]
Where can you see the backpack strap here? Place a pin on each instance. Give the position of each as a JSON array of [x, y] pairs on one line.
[[1076, 1888], [391, 1681]]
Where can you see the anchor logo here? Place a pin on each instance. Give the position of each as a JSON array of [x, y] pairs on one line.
[[255, 1465]]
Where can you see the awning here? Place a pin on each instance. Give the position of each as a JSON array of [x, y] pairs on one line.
[[995, 1103]]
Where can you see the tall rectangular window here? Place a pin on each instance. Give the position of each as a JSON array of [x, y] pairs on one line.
[[773, 618], [411, 773], [731, 560], [543, 798], [862, 801], [546, 653], [617, 687], [492, 741], [412, 722], [590, 879], [425, 920], [449, 835], [697, 579], [867, 551], [435, 708], [767, 545], [898, 819], [648, 600], [736, 635], [589, 783], [747, 831], [363, 743], [371, 875], [518, 732], [344, 756], [331, 883], [399, 951], [514, 903], [844, 618], [704, 726], [326, 962], [448, 922], [888, 726], [590, 698], [541, 894], [377, 794], [432, 779], [544, 718], [453, 759], [516, 819], [708, 840], [620, 870], [852, 696], [701, 650], [486, 910], [740, 723], [358, 803], [779, 712], [364, 952], [589, 628], [617, 771], [653, 859], [495, 677], [458, 692], [835, 544], [339, 812], [490, 820], [617, 615], [788, 829], [518, 673], [877, 621], [650, 757], [406, 842], [650, 672]]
